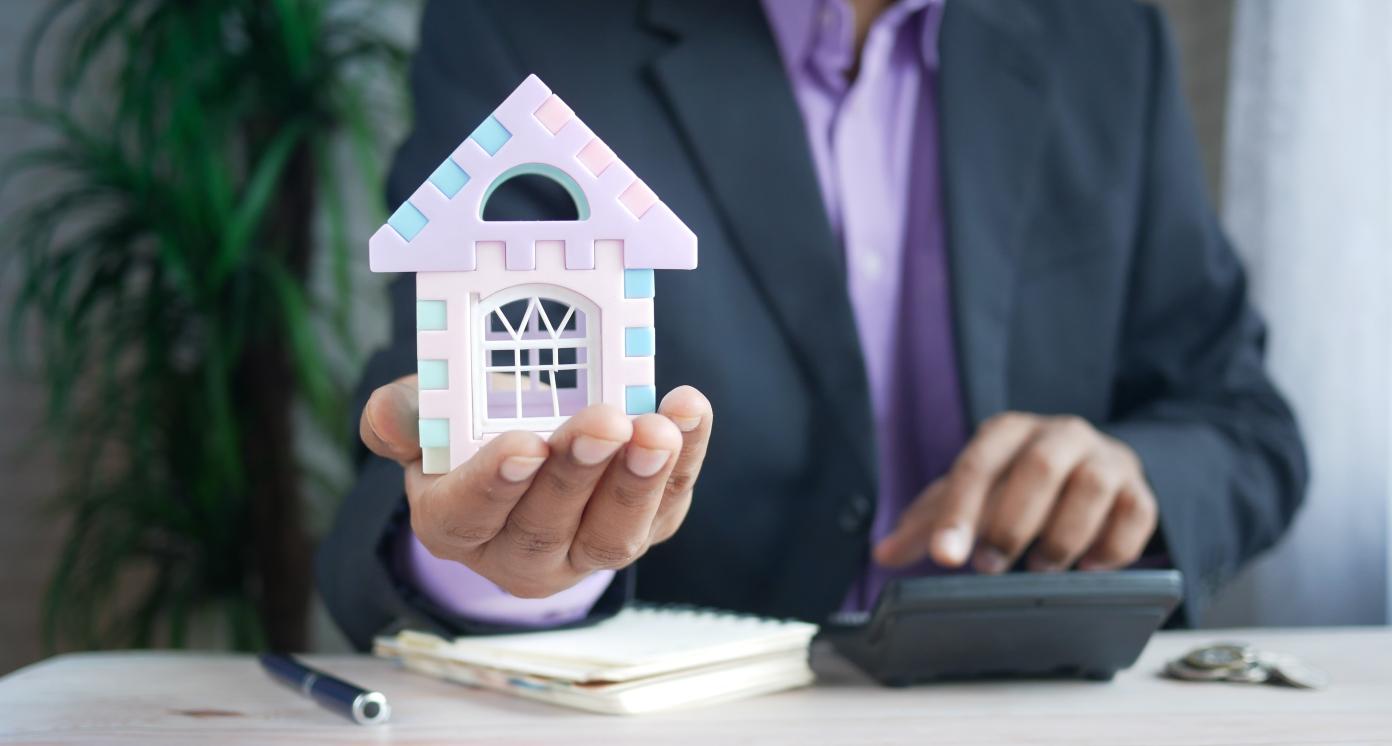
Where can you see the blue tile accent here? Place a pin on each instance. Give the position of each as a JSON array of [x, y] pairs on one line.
[[640, 399], [430, 315], [638, 341], [407, 220], [449, 178], [433, 374], [638, 283], [491, 135], [434, 433]]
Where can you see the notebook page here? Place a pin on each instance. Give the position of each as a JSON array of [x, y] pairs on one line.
[[639, 641]]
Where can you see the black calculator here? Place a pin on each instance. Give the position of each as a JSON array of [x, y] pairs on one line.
[[1039, 625]]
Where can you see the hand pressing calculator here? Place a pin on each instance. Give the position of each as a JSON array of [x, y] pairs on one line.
[[1075, 625]]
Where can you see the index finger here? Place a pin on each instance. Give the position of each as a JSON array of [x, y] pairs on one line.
[[943, 522]]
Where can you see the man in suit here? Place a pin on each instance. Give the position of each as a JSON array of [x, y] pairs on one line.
[[962, 303]]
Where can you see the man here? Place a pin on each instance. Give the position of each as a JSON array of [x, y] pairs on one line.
[[962, 304]]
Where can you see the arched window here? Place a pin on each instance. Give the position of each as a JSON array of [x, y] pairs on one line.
[[518, 175], [540, 349]]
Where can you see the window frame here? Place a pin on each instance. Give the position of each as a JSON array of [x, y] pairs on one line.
[[483, 309]]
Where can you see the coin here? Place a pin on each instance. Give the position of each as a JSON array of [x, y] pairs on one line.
[[1179, 669], [1249, 673], [1221, 662], [1291, 671], [1240, 663], [1221, 655]]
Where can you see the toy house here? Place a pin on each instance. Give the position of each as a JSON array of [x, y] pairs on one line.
[[520, 324]]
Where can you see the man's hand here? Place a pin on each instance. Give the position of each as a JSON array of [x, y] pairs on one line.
[[537, 516], [1078, 495]]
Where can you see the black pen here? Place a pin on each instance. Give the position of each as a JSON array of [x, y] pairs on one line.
[[354, 702]]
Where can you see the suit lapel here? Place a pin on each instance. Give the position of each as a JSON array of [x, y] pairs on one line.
[[992, 107], [724, 84]]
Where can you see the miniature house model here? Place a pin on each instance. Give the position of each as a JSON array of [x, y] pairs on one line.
[[522, 324]]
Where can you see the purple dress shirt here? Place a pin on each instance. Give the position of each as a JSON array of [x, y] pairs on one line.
[[874, 142]]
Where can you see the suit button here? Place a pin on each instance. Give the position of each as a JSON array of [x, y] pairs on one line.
[[853, 516]]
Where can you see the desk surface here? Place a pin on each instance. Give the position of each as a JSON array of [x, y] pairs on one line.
[[209, 699]]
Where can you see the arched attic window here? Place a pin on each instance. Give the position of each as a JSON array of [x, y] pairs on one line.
[[534, 191]]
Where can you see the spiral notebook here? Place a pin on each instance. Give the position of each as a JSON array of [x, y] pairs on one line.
[[645, 659]]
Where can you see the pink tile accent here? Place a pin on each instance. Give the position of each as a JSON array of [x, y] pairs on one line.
[[596, 156], [638, 198], [554, 113]]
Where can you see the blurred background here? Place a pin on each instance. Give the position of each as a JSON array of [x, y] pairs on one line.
[[183, 221]]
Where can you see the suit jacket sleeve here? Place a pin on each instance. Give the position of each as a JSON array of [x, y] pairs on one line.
[[1220, 447], [461, 70]]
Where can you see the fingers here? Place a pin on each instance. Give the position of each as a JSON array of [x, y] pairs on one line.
[[691, 412], [617, 522], [1027, 495], [389, 423], [918, 534], [943, 523], [457, 513], [539, 529], [1129, 527], [1079, 517]]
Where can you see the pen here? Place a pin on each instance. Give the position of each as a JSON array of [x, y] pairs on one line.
[[362, 706]]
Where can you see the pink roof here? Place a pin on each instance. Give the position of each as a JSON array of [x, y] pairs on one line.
[[532, 131]]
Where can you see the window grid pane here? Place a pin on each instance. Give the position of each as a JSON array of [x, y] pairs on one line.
[[540, 345]]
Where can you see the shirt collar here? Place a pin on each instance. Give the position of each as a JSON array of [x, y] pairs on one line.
[[817, 35]]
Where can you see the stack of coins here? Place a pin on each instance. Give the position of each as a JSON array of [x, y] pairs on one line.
[[1244, 664]]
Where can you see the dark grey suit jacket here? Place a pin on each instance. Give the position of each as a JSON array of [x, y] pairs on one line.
[[1089, 276]]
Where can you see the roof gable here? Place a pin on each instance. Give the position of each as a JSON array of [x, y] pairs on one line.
[[532, 131]]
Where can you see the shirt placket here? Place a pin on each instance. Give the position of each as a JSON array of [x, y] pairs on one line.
[[871, 171]]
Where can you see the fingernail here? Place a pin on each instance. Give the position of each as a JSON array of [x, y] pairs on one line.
[[519, 468], [1039, 564], [588, 450], [990, 561], [686, 424], [954, 544], [645, 462]]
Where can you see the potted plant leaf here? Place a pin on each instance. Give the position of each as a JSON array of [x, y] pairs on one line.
[[164, 289]]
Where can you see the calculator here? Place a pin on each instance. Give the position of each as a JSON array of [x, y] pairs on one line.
[[1039, 625]]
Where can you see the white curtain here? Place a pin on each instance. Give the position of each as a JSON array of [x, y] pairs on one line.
[[1308, 199]]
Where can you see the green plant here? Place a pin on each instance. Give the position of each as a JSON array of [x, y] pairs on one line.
[[164, 284]]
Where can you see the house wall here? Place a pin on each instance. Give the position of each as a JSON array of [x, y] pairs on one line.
[[625, 381]]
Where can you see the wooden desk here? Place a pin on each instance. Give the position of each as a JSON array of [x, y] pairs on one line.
[[209, 699]]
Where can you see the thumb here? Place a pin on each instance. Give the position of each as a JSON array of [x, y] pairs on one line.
[[390, 421]]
